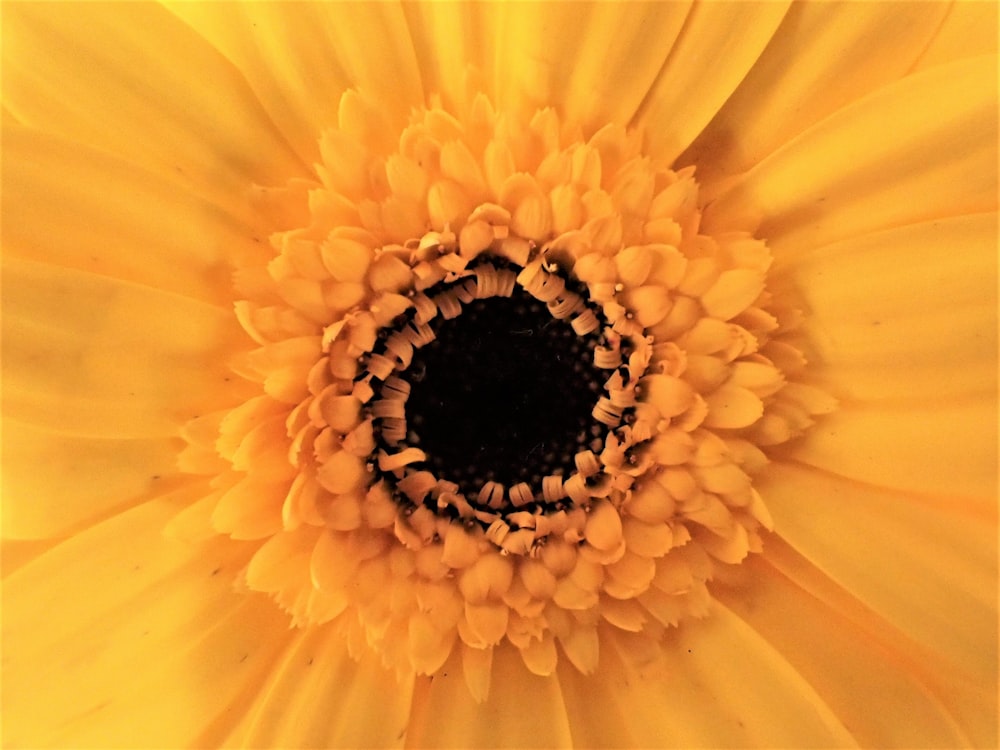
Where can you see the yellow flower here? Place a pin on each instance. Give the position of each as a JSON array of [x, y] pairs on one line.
[[499, 375]]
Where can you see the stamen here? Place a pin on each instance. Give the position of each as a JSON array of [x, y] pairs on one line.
[[499, 388]]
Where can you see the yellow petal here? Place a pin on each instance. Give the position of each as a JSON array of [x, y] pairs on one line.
[[54, 484], [603, 529], [649, 303], [972, 702], [671, 396], [79, 619], [16, 553], [489, 576], [284, 556], [461, 548], [341, 413], [251, 509], [88, 355], [634, 264], [167, 101], [904, 313], [487, 622], [738, 691], [733, 406], [477, 664], [600, 712], [546, 56], [319, 696], [731, 549], [873, 689], [523, 710], [582, 648], [626, 614], [84, 209], [538, 579], [967, 31], [333, 563], [878, 163], [629, 576], [347, 260], [947, 448], [194, 522], [651, 503], [342, 472], [688, 92], [935, 558], [540, 655], [429, 645], [287, 54], [732, 292], [841, 51], [470, 29], [648, 540]]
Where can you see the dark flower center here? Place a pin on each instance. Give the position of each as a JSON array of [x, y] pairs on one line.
[[504, 393], [492, 392]]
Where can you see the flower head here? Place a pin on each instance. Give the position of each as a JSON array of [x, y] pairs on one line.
[[553, 398]]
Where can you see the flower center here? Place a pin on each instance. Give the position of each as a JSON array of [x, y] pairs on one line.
[[504, 393], [510, 391], [489, 392]]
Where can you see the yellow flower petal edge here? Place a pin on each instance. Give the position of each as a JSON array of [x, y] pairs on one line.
[[410, 223]]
